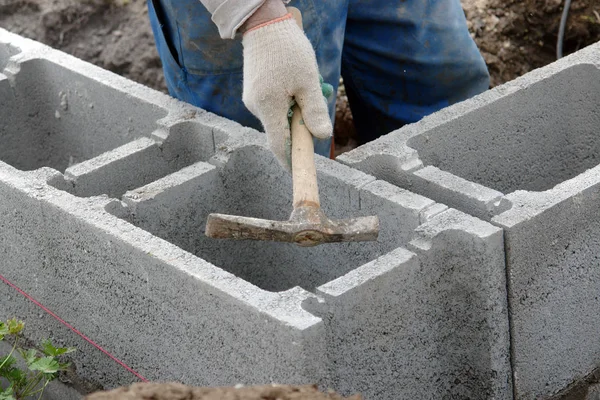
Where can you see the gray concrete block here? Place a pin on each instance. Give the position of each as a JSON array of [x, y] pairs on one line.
[[424, 316], [129, 295], [139, 162], [116, 171], [7, 50], [105, 227], [525, 157], [67, 118], [447, 188], [57, 390], [553, 242], [175, 207]]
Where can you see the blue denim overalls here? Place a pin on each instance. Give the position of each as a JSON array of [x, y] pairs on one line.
[[400, 59]]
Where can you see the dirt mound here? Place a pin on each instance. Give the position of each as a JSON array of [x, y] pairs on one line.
[[517, 36], [113, 34], [176, 391]]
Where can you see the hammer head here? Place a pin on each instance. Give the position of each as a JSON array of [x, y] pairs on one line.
[[307, 226]]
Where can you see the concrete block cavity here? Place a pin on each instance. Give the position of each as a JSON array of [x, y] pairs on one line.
[[530, 140], [57, 117], [175, 208], [139, 162], [432, 287]]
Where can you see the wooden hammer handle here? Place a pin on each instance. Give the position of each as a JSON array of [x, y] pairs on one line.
[[304, 173]]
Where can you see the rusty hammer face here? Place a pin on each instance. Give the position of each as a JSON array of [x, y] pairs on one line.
[[308, 225]]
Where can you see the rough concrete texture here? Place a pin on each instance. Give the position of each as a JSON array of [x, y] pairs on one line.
[[525, 157], [102, 218]]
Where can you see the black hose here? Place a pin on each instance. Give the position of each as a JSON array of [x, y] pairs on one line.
[[561, 30]]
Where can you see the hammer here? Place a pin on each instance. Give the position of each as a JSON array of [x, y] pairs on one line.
[[308, 225]]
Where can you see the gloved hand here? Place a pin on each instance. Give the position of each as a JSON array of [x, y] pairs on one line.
[[280, 66]]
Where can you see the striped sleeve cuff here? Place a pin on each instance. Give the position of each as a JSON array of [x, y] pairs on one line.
[[229, 15]]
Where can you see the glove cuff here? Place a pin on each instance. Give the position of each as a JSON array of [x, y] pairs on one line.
[[273, 21]]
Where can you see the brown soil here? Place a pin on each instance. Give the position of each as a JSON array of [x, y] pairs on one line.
[[514, 36], [114, 34], [176, 391]]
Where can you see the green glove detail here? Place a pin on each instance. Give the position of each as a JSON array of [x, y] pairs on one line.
[[326, 88]]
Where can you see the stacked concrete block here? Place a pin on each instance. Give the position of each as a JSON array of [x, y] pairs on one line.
[[105, 187], [524, 156]]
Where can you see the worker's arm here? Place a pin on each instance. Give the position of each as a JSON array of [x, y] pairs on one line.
[[279, 66], [231, 15]]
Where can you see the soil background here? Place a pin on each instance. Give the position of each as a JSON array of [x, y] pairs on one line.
[[514, 37]]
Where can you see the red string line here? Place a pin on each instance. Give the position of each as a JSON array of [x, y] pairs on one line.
[[90, 341]]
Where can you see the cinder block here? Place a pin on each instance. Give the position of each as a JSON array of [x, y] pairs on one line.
[[57, 118], [105, 228], [525, 157], [390, 323]]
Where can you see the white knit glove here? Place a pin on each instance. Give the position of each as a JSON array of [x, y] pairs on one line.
[[280, 65]]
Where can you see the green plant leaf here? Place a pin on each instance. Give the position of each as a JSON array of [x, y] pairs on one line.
[[6, 364], [16, 377], [3, 330], [24, 383], [7, 394], [15, 327], [52, 351], [29, 356], [46, 365]]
